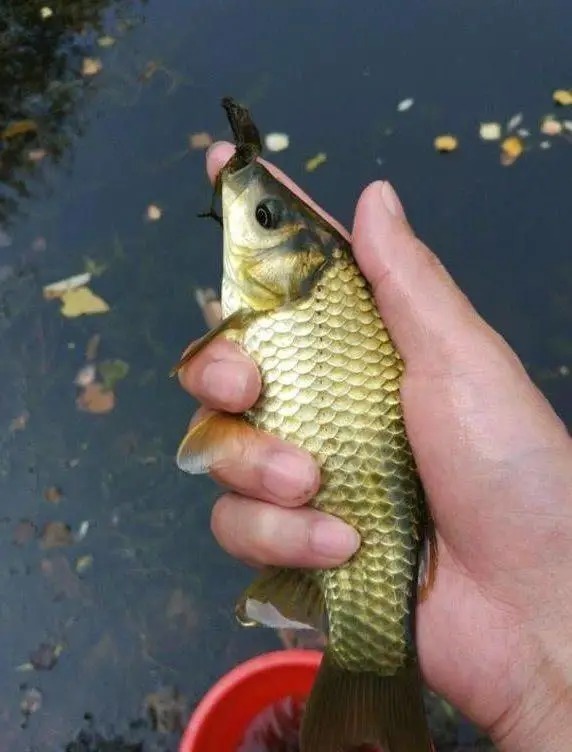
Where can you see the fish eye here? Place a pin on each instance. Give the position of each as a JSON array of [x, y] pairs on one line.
[[268, 214]]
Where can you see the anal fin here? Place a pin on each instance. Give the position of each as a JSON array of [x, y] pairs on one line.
[[283, 598]]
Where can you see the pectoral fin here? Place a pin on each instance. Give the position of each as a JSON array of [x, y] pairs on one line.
[[210, 441], [236, 320], [283, 598]]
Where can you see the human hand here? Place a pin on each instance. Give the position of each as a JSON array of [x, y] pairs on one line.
[[496, 464]]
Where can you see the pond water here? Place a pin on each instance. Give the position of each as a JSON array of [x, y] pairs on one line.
[[137, 600]]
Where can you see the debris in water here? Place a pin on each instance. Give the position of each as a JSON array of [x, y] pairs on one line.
[[85, 375], [514, 121], [45, 656], [490, 131], [57, 289], [56, 535], [82, 531], [36, 155], [276, 141], [446, 143], [91, 66], [53, 494], [20, 422], [550, 126], [92, 347], [106, 41], [511, 149], [83, 563], [31, 701], [24, 532], [61, 577], [314, 162], [562, 97], [405, 104], [19, 128], [46, 12], [94, 398], [153, 213], [82, 302], [201, 140], [167, 710], [112, 371]]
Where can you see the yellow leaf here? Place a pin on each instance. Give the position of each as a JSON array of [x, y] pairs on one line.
[[46, 12], [154, 212], [314, 162], [18, 128], [562, 97], [57, 289], [106, 41], [200, 140], [446, 143], [490, 131], [511, 149], [550, 126], [82, 301], [91, 66]]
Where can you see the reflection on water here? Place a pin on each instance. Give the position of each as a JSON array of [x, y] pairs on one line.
[[114, 599]]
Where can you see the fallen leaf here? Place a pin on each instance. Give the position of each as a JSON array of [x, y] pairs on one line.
[[550, 126], [20, 422], [53, 494], [18, 128], [24, 532], [94, 268], [167, 710], [567, 125], [563, 97], [56, 535], [314, 162], [405, 104], [276, 141], [153, 213], [545, 145], [91, 66], [511, 149], [57, 289], [523, 132], [112, 371], [36, 155], [85, 375], [95, 399], [82, 531], [82, 301], [106, 41], [201, 140], [5, 239], [490, 131], [62, 579], [31, 701], [83, 563], [45, 656], [446, 143], [92, 347], [46, 12], [514, 121]]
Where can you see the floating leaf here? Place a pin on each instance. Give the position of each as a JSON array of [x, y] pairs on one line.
[[83, 563], [277, 141], [405, 104], [18, 128], [567, 124], [490, 131], [550, 126], [46, 12], [57, 289], [112, 371], [36, 155], [106, 41], [511, 149], [153, 213], [545, 145], [19, 422], [95, 399], [446, 143], [93, 267], [91, 66], [82, 530], [31, 701], [201, 140], [314, 162], [61, 577], [56, 535], [514, 121], [53, 494], [82, 301], [92, 347], [167, 710], [45, 656], [563, 97]]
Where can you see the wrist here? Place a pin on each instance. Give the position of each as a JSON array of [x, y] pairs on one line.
[[540, 716]]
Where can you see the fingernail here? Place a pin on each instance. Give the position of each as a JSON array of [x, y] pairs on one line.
[[226, 380], [289, 475], [391, 200], [334, 539]]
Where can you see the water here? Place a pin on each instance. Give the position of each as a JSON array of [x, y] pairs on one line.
[[151, 611]]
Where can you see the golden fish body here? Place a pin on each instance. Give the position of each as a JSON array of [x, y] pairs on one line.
[[296, 302]]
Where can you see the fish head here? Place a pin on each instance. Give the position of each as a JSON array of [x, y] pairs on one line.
[[275, 245]]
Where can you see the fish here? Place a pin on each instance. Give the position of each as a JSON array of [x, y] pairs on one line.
[[294, 299]]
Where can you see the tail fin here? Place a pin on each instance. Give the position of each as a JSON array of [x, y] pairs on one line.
[[347, 709]]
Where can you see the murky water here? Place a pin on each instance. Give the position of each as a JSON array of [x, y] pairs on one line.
[[138, 599]]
